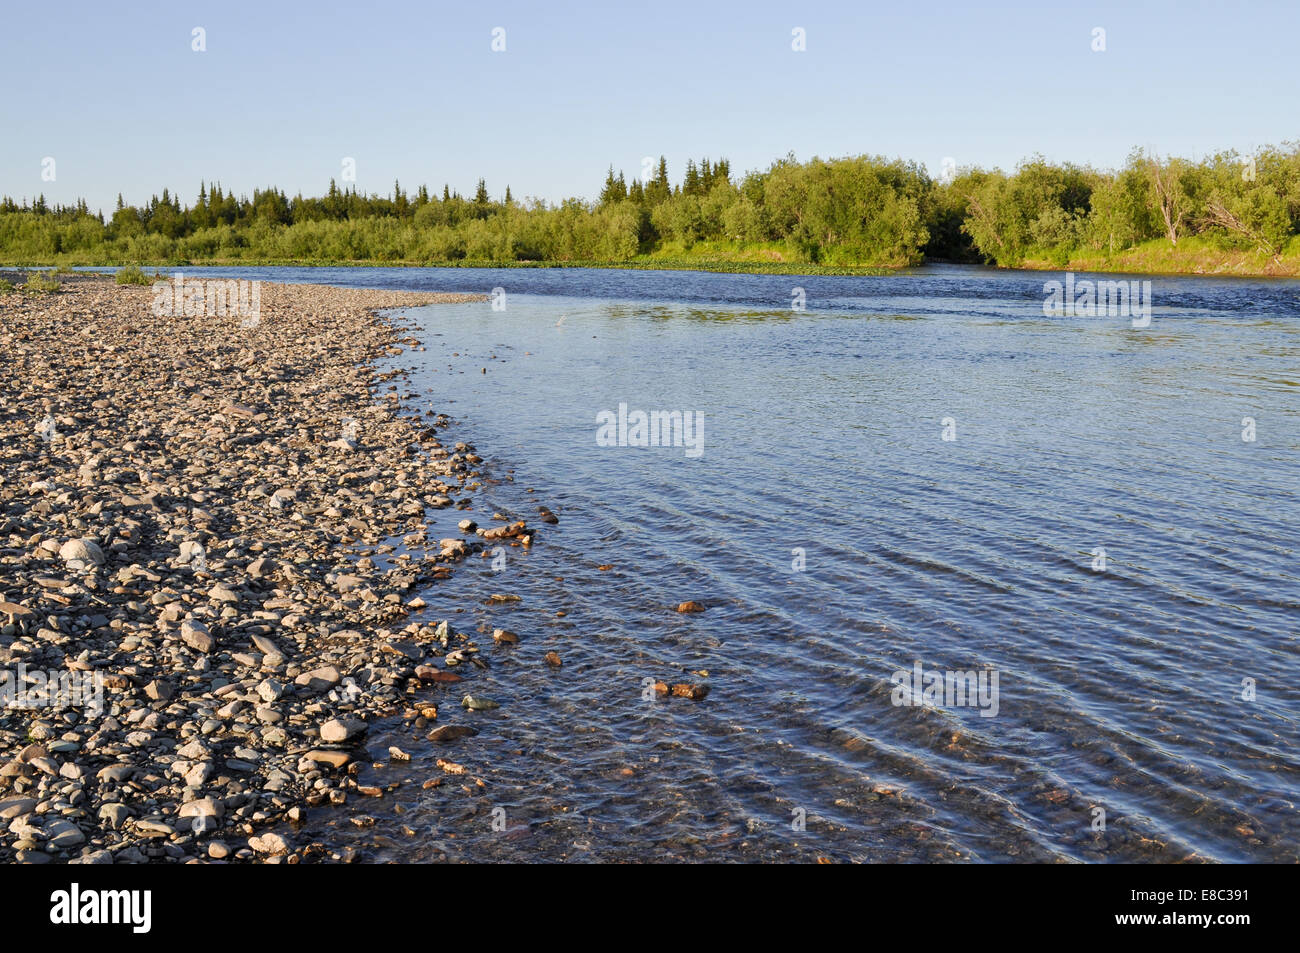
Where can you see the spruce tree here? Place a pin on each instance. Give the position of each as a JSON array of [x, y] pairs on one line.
[[691, 180], [659, 190], [615, 189]]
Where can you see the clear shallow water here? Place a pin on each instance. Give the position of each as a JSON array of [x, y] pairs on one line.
[[1119, 690]]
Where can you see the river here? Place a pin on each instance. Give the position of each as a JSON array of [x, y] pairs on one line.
[[1092, 525]]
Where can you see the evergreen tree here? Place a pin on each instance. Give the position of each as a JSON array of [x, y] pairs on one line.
[[659, 190], [615, 189], [691, 183], [201, 217]]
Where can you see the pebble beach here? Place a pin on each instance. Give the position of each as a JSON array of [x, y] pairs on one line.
[[218, 528]]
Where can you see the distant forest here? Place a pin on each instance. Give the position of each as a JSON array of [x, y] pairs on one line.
[[858, 211]]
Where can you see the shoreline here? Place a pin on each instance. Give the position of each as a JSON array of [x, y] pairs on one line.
[[1221, 265], [200, 518]]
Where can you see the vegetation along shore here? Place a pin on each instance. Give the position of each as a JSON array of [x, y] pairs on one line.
[[1227, 214]]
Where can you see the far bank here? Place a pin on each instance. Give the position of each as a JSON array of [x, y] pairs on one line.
[[1191, 257]]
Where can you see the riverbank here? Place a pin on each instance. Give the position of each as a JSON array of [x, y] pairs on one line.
[[199, 519], [721, 265], [1192, 257]]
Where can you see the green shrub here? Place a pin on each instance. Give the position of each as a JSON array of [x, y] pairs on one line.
[[6, 286], [42, 282], [132, 275]]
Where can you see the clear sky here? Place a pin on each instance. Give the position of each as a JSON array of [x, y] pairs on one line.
[[413, 90]]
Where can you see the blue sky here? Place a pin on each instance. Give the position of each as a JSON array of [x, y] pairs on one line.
[[413, 90]]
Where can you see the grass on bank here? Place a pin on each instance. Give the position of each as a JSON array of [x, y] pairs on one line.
[[133, 275], [42, 282], [719, 263], [1193, 255]]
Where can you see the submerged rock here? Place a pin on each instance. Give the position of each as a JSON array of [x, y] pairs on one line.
[[451, 733]]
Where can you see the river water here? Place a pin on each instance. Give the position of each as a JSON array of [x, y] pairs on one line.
[[1098, 521]]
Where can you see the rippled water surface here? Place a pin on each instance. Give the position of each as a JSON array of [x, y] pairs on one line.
[[836, 538]]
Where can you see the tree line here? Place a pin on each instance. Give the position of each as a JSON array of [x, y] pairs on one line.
[[855, 211]]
